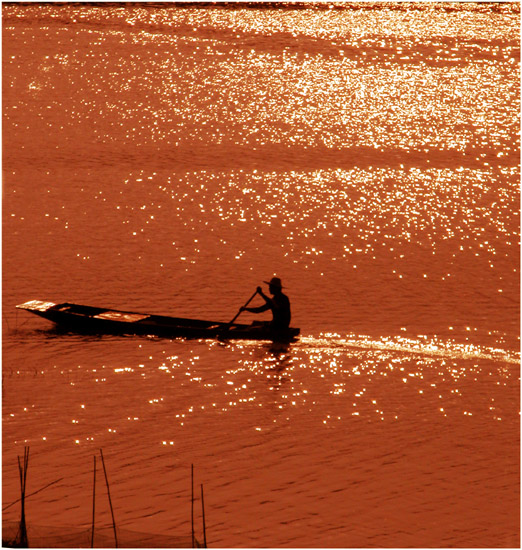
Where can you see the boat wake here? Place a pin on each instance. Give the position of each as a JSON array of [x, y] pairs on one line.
[[424, 346]]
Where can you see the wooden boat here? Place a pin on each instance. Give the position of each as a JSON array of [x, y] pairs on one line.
[[87, 319]]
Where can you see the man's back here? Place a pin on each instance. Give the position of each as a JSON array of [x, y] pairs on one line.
[[280, 311]]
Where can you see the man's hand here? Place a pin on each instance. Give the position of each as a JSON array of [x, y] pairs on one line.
[[259, 290]]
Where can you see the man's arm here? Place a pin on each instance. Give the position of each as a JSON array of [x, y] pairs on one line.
[[260, 309]]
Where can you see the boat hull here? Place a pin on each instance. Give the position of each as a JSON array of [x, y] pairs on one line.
[[87, 319]]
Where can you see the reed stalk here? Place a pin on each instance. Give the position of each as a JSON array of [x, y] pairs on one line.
[[110, 502]]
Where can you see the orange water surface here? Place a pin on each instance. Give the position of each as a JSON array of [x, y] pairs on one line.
[[168, 159]]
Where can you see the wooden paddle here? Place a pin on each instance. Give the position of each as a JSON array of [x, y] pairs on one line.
[[226, 327], [241, 309]]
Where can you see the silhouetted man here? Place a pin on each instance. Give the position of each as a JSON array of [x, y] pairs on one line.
[[279, 304]]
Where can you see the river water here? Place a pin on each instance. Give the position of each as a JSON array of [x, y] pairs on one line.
[[169, 159]]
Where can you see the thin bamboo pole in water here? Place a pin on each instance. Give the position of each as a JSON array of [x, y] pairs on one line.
[[31, 494], [203, 512], [93, 502], [23, 542], [192, 502], [110, 502]]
